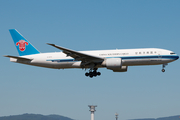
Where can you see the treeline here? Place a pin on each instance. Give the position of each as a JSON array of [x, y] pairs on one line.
[[162, 118], [35, 117]]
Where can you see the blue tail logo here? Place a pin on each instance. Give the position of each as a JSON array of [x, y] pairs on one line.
[[23, 46]]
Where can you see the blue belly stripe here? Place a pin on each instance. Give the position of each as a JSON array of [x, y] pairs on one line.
[[124, 58]]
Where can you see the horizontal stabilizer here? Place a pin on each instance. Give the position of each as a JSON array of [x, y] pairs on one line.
[[16, 57]]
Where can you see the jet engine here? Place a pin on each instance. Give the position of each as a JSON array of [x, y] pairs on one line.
[[114, 64]]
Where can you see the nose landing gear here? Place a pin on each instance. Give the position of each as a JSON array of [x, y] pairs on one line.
[[163, 66]]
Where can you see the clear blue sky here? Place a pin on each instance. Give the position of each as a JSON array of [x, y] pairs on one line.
[[142, 92]]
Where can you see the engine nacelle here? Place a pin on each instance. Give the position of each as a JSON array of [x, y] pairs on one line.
[[122, 69], [114, 64]]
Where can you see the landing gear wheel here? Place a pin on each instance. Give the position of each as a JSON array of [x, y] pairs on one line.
[[98, 73], [87, 74], [163, 70], [92, 74]]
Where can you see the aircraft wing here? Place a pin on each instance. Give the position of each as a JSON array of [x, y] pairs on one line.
[[16, 57], [78, 55]]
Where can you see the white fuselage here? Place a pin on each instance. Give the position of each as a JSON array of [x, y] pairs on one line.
[[130, 57]]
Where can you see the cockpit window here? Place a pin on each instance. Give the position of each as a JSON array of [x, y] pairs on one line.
[[172, 53]]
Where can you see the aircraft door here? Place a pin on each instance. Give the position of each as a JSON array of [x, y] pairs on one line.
[[159, 54]]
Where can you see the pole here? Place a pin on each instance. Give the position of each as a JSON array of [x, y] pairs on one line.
[[92, 110]]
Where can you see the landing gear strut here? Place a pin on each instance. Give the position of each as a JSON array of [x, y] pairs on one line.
[[163, 66], [92, 73]]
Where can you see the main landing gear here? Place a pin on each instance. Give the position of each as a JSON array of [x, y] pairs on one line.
[[93, 73], [163, 66]]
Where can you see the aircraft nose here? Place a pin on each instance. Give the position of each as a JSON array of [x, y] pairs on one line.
[[177, 57]]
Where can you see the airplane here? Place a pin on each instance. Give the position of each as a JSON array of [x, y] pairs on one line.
[[116, 60]]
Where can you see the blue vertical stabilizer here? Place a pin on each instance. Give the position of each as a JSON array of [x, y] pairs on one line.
[[23, 46]]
